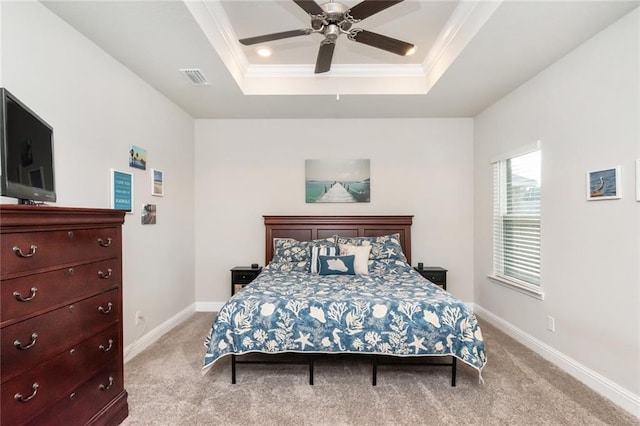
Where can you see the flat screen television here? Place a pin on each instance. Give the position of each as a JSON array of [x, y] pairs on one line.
[[26, 153]]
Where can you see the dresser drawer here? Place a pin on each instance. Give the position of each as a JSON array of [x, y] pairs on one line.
[[25, 295], [31, 392], [80, 404], [22, 252], [46, 335]]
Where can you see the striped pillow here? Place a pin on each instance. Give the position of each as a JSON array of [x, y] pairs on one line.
[[317, 251]]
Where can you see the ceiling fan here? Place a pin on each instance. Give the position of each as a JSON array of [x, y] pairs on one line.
[[333, 19]]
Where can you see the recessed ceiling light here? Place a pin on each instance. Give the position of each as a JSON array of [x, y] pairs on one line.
[[264, 51]]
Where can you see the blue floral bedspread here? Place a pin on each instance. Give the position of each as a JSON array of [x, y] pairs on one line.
[[396, 313]]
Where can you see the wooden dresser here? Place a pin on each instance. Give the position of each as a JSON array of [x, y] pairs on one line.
[[61, 359]]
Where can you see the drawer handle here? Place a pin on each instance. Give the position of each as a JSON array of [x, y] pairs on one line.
[[106, 311], [18, 251], [22, 398], [105, 276], [18, 344], [107, 387], [21, 298], [107, 349], [105, 243]]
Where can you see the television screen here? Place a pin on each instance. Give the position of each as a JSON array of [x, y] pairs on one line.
[[27, 153]]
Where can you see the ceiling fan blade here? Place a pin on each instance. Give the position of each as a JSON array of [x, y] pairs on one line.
[[367, 8], [325, 55], [275, 36], [380, 41], [310, 6]]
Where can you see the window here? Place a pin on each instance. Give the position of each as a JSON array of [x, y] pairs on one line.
[[516, 216]]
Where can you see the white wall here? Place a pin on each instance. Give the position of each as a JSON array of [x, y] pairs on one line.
[[585, 111], [98, 108], [249, 168]]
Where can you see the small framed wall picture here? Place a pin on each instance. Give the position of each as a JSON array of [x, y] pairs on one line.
[[137, 157], [121, 190], [148, 214], [604, 184], [157, 183]]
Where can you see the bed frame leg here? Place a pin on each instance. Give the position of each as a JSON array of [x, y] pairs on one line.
[[453, 370], [233, 369], [374, 379], [311, 360]]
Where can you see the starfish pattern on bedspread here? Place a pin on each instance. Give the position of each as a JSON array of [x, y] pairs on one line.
[[396, 312]]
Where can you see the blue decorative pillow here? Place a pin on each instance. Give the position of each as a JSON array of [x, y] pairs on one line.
[[290, 250], [317, 251], [336, 265], [382, 247]]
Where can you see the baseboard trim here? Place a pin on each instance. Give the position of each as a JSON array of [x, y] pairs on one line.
[[152, 336], [616, 393], [209, 306]]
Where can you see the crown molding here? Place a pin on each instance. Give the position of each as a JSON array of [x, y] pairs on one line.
[[212, 19], [465, 23], [467, 19], [337, 71]]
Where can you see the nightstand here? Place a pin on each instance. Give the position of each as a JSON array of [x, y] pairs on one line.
[[435, 274], [241, 276]]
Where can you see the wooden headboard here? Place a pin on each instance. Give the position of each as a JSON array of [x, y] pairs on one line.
[[307, 228]]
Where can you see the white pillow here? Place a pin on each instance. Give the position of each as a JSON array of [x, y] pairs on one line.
[[361, 262]]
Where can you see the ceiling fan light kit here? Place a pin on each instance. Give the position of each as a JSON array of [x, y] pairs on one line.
[[333, 19]]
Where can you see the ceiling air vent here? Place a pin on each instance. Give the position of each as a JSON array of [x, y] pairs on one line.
[[195, 76]]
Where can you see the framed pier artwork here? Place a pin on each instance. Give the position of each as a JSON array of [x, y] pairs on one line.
[[338, 181]]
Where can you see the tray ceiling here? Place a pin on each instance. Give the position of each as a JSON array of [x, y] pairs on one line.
[[469, 53]]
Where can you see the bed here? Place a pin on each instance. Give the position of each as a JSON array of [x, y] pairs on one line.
[[344, 285]]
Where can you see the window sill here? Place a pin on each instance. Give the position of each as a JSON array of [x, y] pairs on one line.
[[529, 290]]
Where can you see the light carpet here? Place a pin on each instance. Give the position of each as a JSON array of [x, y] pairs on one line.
[[166, 387]]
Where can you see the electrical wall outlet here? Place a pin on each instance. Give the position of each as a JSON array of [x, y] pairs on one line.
[[139, 317], [551, 323]]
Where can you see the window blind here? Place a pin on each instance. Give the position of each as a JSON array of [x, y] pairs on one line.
[[517, 219]]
